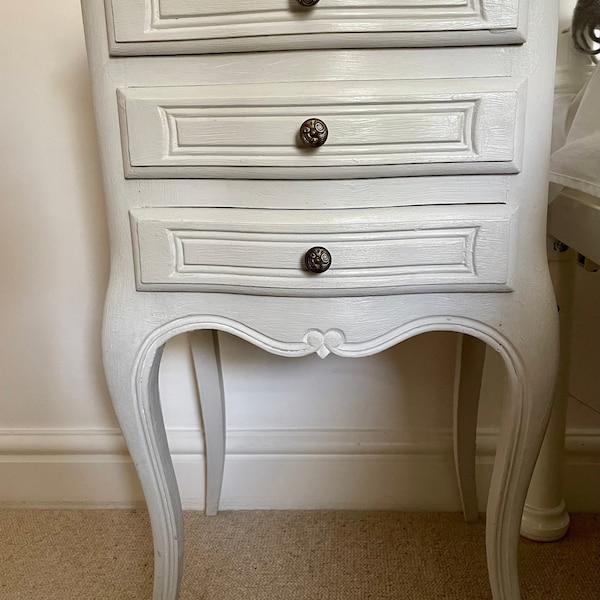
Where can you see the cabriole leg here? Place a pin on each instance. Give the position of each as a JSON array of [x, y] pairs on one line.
[[132, 376], [545, 518], [531, 373], [470, 356], [204, 345]]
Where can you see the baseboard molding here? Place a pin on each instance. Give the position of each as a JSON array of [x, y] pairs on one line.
[[277, 469]]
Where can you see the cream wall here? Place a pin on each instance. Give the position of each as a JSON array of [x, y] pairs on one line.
[[303, 432]]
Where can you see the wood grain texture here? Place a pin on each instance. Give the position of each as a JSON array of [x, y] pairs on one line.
[[400, 125], [181, 26], [377, 252]]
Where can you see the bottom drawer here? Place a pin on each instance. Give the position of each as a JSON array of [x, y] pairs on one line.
[[373, 251]]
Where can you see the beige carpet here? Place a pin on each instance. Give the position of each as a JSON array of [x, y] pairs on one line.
[[272, 555]]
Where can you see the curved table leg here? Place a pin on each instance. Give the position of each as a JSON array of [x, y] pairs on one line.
[[545, 518], [131, 372], [470, 357], [524, 421], [204, 345]]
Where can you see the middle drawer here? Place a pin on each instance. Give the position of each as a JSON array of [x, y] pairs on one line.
[[374, 129]]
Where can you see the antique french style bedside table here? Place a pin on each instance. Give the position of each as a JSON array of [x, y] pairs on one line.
[[332, 176]]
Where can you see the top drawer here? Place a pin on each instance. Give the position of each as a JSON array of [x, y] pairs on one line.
[[202, 26]]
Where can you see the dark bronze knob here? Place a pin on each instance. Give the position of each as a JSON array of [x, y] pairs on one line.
[[317, 259], [307, 2], [313, 133]]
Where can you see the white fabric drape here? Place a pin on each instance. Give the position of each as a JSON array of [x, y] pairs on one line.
[[575, 159]]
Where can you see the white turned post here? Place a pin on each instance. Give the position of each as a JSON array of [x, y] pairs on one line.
[[545, 518]]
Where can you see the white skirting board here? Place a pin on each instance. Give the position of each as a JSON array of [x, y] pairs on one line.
[[273, 469]]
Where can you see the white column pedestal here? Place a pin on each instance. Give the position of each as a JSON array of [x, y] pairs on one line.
[[545, 518]]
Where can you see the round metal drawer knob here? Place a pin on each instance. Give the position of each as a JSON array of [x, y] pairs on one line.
[[307, 2], [313, 133], [317, 259]]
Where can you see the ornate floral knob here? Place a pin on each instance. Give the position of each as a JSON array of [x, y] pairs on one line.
[[307, 2], [317, 259], [313, 133]]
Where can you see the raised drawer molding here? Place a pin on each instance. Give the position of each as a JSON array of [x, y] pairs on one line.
[[181, 26], [379, 251], [384, 128]]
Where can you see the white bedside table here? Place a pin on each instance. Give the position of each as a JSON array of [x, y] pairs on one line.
[[424, 209]]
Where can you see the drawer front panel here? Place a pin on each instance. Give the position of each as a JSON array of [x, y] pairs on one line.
[[378, 251], [181, 24], [384, 128]]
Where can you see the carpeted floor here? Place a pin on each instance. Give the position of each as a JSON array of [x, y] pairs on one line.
[[283, 555]]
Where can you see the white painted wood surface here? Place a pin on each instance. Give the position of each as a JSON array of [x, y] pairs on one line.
[[214, 131], [470, 357], [574, 221], [521, 325], [181, 26], [545, 518], [376, 252], [204, 346]]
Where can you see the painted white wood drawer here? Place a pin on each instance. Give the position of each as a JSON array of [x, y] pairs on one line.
[[374, 251], [376, 129], [197, 26]]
